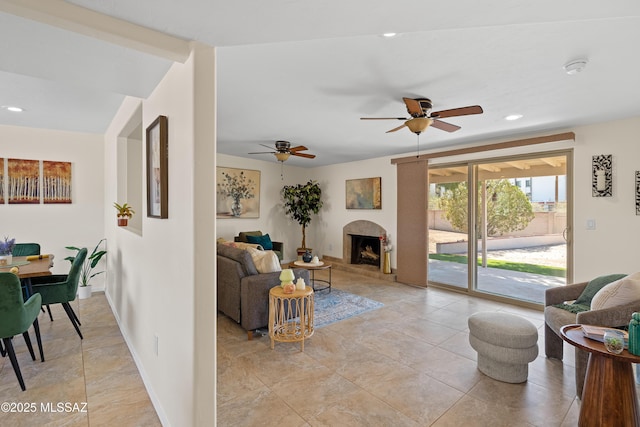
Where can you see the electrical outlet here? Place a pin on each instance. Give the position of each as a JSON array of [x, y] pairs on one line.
[[155, 344], [591, 224], [330, 247]]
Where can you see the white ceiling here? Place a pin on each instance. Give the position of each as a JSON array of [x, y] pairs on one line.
[[307, 71]]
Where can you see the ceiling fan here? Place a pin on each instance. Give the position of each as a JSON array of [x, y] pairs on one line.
[[422, 117], [283, 150]]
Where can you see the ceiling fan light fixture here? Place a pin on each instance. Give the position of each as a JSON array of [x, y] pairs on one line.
[[575, 66], [282, 157], [419, 124]]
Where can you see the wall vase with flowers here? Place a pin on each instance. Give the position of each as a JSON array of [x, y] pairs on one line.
[[6, 251], [385, 244]]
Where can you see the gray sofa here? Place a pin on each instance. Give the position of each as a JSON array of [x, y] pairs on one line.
[[242, 292]]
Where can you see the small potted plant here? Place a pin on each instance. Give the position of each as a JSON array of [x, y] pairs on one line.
[[124, 213], [86, 274], [6, 251]]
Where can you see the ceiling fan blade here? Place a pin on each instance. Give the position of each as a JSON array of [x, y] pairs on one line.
[[448, 127], [383, 118], [298, 148], [398, 128], [413, 107], [263, 152], [463, 111], [305, 155], [267, 146]]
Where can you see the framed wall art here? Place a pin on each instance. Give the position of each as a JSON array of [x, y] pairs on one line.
[[637, 192], [24, 181], [602, 176], [1, 180], [363, 193], [157, 168], [237, 193], [56, 182]]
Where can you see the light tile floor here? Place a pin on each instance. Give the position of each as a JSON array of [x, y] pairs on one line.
[[97, 371], [408, 363]]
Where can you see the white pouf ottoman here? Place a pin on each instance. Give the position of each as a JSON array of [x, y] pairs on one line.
[[505, 343]]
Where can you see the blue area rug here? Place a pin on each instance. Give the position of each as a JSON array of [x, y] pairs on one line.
[[331, 307]]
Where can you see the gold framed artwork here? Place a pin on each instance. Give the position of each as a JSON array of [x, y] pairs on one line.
[[364, 193], [157, 168], [56, 182], [237, 193], [24, 181], [1, 180]]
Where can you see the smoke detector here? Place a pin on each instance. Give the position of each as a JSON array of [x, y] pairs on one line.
[[575, 66]]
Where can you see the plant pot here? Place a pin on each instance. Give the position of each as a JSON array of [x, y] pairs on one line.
[[122, 222], [84, 292], [6, 260]]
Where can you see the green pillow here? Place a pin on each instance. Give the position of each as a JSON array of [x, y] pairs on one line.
[[264, 241], [594, 286]]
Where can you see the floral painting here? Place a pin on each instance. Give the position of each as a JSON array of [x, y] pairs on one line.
[[363, 193], [237, 193], [56, 182], [23, 181]]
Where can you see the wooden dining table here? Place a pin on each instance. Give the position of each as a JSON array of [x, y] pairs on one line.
[[28, 269]]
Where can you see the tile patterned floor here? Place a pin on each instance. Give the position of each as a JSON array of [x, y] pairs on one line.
[[97, 371], [406, 364]]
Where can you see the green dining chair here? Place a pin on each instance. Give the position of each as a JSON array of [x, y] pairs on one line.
[[16, 316], [26, 249], [62, 288]]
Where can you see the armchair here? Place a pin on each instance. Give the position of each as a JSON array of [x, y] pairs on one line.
[[256, 236], [15, 318], [62, 289], [556, 317], [26, 249]]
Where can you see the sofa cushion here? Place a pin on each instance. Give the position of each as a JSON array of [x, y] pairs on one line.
[[265, 261], [617, 293], [264, 241], [242, 236], [240, 255], [594, 286]]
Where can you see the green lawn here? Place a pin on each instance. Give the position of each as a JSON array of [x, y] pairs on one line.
[[506, 265]]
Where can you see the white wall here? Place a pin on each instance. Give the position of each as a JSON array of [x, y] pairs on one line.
[[153, 288], [55, 226]]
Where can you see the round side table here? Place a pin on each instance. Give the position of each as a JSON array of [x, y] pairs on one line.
[[290, 315], [609, 394]]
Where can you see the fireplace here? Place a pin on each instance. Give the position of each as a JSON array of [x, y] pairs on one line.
[[365, 250], [361, 243]]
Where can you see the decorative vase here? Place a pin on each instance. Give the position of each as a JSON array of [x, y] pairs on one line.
[[84, 292], [634, 334], [6, 259], [307, 257], [614, 341], [386, 265], [236, 207]]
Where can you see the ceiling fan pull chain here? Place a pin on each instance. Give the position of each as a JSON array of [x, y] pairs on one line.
[[418, 155]]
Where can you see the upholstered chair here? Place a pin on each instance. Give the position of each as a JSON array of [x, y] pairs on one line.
[[62, 289], [16, 316]]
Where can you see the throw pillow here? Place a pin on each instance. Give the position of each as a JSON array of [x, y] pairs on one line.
[[264, 241], [617, 293], [265, 261], [594, 286]]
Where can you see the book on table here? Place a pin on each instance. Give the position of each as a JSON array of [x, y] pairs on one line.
[[597, 333]]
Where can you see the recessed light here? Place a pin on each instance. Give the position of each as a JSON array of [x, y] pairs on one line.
[[12, 108], [389, 35], [512, 117]]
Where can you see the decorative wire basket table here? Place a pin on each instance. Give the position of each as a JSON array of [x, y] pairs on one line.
[[290, 315]]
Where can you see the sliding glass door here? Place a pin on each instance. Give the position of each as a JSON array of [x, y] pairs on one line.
[[516, 217]]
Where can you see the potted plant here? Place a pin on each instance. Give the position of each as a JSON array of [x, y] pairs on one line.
[[124, 213], [300, 201], [86, 273], [6, 251]]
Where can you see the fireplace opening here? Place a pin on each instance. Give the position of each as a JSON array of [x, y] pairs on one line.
[[365, 250]]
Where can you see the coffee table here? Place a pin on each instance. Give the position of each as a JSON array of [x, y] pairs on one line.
[[313, 267], [609, 394]]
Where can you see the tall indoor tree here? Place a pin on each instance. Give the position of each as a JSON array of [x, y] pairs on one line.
[[300, 202]]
